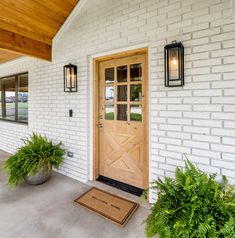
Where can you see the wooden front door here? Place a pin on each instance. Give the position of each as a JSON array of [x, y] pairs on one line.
[[122, 109]]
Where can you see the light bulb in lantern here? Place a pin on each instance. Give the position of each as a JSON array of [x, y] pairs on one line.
[[174, 61]]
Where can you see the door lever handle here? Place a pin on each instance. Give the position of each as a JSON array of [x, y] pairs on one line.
[[99, 126]]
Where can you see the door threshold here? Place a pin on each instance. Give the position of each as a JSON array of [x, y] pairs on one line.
[[122, 186], [120, 193]]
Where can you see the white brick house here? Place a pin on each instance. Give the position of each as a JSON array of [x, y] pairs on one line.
[[197, 120]]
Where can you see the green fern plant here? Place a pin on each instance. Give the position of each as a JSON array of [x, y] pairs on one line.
[[193, 205], [36, 153]]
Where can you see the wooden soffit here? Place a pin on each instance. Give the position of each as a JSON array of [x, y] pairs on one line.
[[28, 27], [7, 56]]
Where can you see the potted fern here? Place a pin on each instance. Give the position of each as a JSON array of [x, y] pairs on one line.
[[33, 162], [193, 205]]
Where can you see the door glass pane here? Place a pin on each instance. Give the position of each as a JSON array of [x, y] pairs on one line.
[[122, 93], [136, 112], [23, 98], [122, 112], [109, 75], [122, 74], [109, 93], [109, 112], [136, 72], [136, 92]]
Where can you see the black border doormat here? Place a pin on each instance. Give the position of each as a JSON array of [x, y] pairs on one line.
[[114, 208]]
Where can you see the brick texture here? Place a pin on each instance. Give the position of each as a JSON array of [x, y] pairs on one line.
[[196, 121]]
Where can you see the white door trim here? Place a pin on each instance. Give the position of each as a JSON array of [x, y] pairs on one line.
[[91, 98]]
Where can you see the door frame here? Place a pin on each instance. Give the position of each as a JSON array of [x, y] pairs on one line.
[[94, 67]]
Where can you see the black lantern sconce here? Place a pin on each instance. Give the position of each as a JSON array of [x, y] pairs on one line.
[[174, 64], [70, 78]]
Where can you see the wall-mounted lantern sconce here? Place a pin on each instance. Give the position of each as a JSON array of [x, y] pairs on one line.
[[70, 78], [174, 64]]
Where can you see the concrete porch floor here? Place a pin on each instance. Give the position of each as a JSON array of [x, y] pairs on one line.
[[47, 211]]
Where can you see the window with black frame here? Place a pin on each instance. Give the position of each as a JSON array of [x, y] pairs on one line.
[[14, 98]]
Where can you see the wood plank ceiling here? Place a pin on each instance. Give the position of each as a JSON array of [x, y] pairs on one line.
[[28, 26], [7, 55]]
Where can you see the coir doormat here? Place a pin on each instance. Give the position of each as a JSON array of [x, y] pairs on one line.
[[114, 208]]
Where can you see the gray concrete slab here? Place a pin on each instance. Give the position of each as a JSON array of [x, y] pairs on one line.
[[47, 211]]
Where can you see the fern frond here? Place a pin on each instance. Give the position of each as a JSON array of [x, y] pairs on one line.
[[193, 205]]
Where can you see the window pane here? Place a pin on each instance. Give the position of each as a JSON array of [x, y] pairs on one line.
[[122, 74], [7, 106], [109, 93], [109, 112], [1, 102], [122, 93], [136, 72], [109, 75], [8, 98], [136, 113], [122, 112], [136, 92], [13, 107], [23, 98]]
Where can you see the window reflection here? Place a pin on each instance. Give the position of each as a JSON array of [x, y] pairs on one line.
[[23, 98], [136, 92], [8, 98], [14, 98], [109, 93], [109, 112], [122, 74], [109, 75], [122, 93], [136, 72], [136, 113], [122, 112]]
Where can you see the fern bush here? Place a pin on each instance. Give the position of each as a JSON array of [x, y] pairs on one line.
[[193, 205], [36, 153]]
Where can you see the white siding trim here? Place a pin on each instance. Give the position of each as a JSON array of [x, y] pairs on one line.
[[91, 139], [120, 50], [150, 119], [233, 9], [69, 20]]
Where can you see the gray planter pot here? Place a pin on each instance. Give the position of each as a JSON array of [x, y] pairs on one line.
[[41, 177]]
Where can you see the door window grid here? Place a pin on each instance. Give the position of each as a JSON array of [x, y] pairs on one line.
[[127, 102]]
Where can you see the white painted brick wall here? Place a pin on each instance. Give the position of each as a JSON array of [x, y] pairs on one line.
[[197, 120]]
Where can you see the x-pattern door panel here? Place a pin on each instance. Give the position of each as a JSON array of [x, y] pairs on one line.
[[122, 120]]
